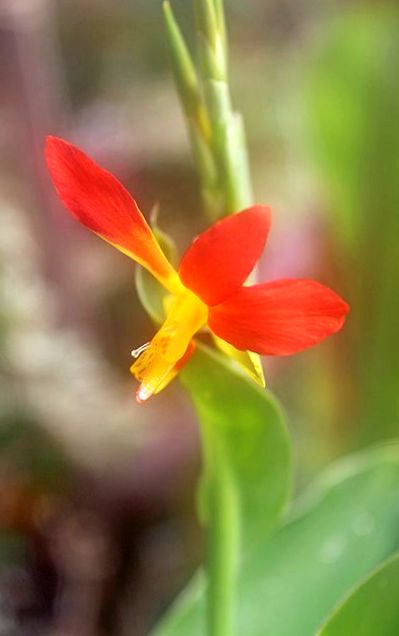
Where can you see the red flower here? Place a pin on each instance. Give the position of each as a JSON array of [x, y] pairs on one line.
[[278, 318]]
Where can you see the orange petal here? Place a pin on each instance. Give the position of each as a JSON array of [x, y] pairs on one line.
[[101, 203]]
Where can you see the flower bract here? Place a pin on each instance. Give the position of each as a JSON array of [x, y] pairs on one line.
[[208, 290]]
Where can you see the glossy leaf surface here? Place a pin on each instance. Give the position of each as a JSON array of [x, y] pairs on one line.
[[372, 608], [246, 422], [346, 524]]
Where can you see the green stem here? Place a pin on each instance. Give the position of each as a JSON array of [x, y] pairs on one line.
[[222, 540], [216, 130], [232, 192], [220, 153]]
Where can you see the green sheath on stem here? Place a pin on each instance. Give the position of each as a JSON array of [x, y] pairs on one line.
[[215, 129]]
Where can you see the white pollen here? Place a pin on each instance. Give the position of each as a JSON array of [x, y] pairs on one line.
[[135, 353]]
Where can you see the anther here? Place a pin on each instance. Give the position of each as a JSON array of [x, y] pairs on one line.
[[135, 353]]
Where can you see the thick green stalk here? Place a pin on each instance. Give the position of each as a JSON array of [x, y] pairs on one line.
[[219, 147], [215, 128], [227, 133], [219, 10], [232, 192], [222, 538]]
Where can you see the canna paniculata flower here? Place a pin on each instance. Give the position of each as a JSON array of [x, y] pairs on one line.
[[208, 291]]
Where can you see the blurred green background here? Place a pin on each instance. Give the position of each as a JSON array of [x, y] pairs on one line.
[[97, 524]]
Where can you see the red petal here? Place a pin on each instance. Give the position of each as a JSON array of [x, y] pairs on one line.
[[99, 201], [220, 259], [279, 318]]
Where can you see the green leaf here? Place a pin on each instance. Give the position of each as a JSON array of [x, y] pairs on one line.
[[346, 524], [182, 64], [247, 422], [372, 608], [246, 476], [151, 293], [245, 445]]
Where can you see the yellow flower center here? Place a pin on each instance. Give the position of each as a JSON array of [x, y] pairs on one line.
[[155, 366]]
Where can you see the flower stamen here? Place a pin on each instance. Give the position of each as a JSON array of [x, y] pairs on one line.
[[135, 353]]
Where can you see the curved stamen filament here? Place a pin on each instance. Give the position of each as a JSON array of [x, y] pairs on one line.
[[135, 353]]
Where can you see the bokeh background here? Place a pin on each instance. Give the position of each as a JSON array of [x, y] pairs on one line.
[[97, 495]]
